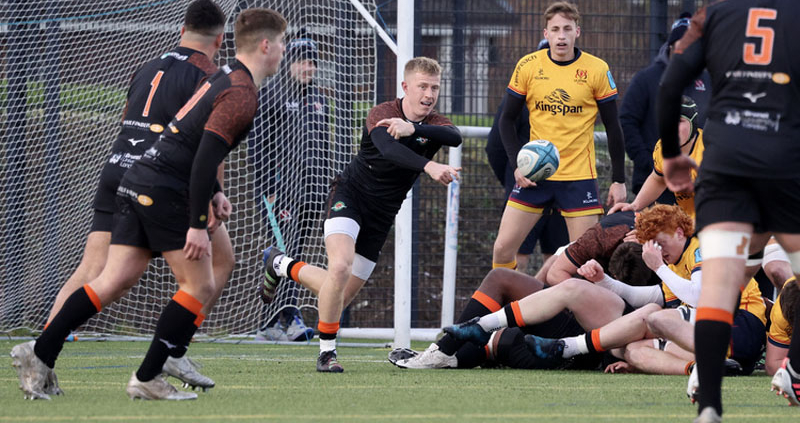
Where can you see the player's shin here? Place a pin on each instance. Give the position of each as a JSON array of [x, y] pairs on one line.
[[79, 307], [176, 326], [712, 336]]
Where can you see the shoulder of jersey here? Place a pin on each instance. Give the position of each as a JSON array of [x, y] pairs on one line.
[[591, 58]]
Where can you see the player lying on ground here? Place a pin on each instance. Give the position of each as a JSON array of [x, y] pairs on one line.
[[665, 224], [503, 286]]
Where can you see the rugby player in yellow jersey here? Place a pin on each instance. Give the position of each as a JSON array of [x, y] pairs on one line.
[[691, 139], [564, 89], [780, 328]]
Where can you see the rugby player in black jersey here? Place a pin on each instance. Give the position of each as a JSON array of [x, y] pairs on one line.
[[157, 90], [748, 186], [162, 207], [399, 140]]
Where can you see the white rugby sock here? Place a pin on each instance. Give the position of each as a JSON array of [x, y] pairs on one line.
[[575, 345], [494, 321], [327, 345]]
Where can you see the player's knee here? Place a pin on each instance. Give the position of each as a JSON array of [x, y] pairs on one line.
[[656, 324], [339, 270], [503, 251]]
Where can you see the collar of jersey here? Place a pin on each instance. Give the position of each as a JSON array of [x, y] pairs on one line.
[[568, 62]]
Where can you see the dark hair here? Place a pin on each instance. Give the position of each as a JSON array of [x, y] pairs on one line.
[[254, 25], [790, 300], [626, 265], [302, 48], [204, 17]]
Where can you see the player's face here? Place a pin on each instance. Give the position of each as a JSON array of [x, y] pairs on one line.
[[275, 54], [671, 245], [561, 33], [421, 93], [303, 71], [684, 130]]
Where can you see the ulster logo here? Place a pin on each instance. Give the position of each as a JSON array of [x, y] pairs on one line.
[[581, 75]]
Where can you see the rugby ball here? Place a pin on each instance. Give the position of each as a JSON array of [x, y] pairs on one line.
[[538, 160]]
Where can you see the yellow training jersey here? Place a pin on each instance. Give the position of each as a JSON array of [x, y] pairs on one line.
[[562, 99], [780, 330], [684, 199]]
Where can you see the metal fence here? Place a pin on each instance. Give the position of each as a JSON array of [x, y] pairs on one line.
[[478, 42]]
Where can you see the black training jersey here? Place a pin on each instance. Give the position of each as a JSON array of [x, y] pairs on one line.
[[751, 51], [222, 109], [157, 91], [380, 177]]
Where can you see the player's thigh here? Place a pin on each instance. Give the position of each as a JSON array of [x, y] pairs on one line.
[[592, 305], [515, 225], [724, 198], [124, 267], [195, 277]]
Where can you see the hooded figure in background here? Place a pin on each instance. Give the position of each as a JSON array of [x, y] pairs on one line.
[[638, 112], [291, 157]]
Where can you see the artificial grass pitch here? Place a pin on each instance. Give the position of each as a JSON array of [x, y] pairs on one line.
[[264, 382]]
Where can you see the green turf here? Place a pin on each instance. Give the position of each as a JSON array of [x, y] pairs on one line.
[[278, 383]]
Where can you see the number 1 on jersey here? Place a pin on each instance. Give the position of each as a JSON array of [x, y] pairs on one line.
[[765, 33], [153, 87]]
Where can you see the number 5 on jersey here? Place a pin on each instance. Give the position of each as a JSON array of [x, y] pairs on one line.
[[765, 33]]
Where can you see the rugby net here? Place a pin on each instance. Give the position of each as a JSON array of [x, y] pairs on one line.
[[65, 66]]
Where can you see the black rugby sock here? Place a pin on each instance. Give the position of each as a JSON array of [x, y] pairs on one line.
[[174, 331], [79, 307], [712, 334]]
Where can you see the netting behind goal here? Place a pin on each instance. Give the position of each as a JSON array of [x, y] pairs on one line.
[[65, 66]]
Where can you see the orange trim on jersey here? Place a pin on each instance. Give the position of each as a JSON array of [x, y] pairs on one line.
[[776, 342], [486, 301], [512, 265], [517, 313], [613, 93], [486, 350], [329, 328], [93, 297], [517, 91], [295, 273], [596, 341], [525, 208], [714, 314]]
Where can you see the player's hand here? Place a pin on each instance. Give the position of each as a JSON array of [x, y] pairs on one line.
[[222, 206], [617, 193], [631, 237], [619, 367], [678, 173], [198, 245], [651, 254], [397, 128], [522, 181], [442, 173], [621, 207], [592, 271]]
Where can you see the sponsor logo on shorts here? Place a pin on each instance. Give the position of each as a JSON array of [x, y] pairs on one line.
[[144, 200], [338, 206], [589, 199], [156, 128]]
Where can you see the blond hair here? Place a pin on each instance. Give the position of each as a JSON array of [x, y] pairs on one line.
[[424, 65]]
